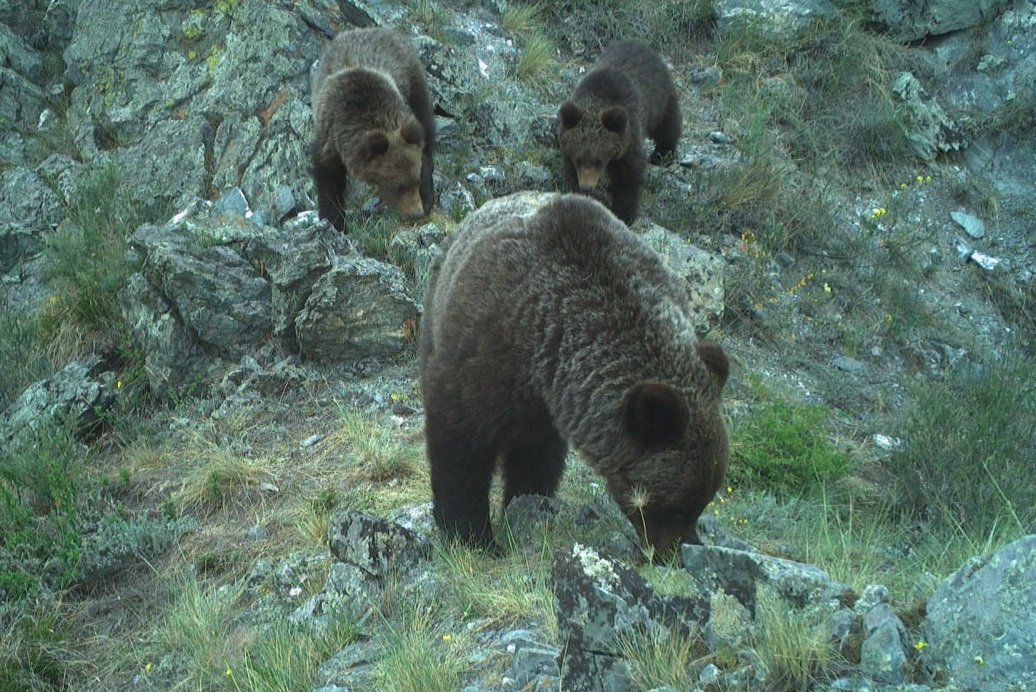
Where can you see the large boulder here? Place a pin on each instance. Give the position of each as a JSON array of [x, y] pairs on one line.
[[224, 86], [979, 625], [780, 17], [215, 288], [78, 395], [910, 20]]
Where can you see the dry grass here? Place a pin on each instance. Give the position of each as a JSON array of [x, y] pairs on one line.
[[660, 657], [794, 647], [421, 652], [504, 591]]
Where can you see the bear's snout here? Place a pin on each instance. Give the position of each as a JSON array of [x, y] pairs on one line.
[[663, 538], [588, 178], [410, 204]]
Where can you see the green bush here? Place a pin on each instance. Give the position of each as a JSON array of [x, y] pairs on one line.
[[23, 359], [39, 651], [969, 449], [87, 261], [828, 89], [785, 448], [57, 524], [40, 541]]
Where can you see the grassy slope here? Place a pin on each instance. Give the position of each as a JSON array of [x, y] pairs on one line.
[[826, 224]]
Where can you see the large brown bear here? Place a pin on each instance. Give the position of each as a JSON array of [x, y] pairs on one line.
[[628, 94], [548, 323], [374, 121]]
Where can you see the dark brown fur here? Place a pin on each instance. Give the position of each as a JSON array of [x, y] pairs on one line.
[[628, 94], [374, 121], [561, 327]]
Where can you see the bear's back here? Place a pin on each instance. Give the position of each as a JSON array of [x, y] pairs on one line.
[[377, 48], [532, 263]]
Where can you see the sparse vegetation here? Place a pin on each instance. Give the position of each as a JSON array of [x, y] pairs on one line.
[[506, 592], [968, 450], [377, 454], [662, 658], [422, 653], [536, 58], [374, 237], [794, 647], [182, 532], [87, 263], [23, 353]]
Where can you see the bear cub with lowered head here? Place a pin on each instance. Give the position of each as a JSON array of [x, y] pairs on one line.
[[548, 324], [374, 121], [628, 94]]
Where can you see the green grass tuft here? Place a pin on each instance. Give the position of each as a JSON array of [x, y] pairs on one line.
[[784, 447], [87, 261], [969, 447], [536, 59], [658, 658]]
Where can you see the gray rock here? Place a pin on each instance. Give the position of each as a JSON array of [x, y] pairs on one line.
[[972, 225], [78, 394], [883, 655], [61, 173], [534, 666], [360, 308], [224, 87], [908, 20], [739, 574], [931, 129], [376, 546], [219, 297], [849, 365], [367, 550], [783, 17], [979, 622], [597, 600], [173, 361], [27, 208], [21, 75], [295, 261], [528, 517], [702, 270], [232, 202], [350, 668]]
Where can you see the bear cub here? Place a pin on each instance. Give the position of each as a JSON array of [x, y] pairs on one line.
[[628, 94], [548, 324], [373, 120]]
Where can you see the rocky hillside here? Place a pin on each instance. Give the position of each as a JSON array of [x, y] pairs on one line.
[[211, 473]]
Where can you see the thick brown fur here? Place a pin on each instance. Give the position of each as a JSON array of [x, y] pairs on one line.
[[559, 326], [628, 94], [374, 120]]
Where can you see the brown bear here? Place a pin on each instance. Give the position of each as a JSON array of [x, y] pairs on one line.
[[548, 323], [373, 120], [628, 94]]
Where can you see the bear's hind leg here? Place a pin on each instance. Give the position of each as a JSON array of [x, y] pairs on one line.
[[461, 475], [534, 469], [667, 134]]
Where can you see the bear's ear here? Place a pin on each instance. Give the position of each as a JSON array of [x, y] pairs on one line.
[[412, 132], [373, 145], [654, 414], [715, 360], [615, 119], [570, 115]]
